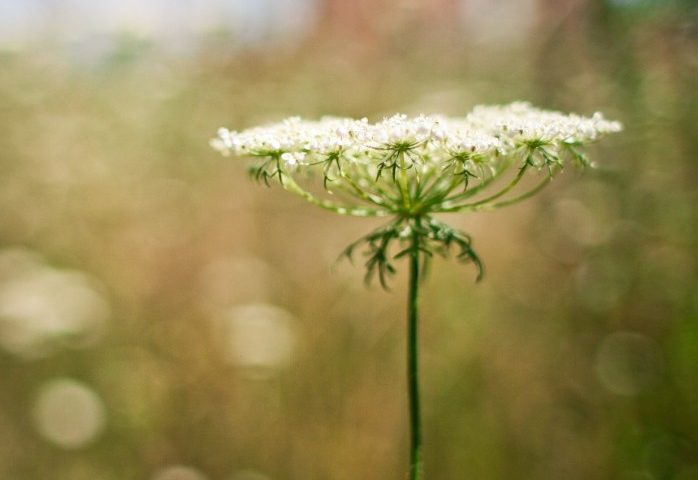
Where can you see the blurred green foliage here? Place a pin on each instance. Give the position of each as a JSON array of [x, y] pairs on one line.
[[576, 358]]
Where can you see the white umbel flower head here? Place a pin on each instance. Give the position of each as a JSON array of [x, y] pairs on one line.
[[415, 165]]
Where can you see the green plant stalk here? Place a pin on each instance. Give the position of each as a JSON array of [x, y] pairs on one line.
[[413, 361]]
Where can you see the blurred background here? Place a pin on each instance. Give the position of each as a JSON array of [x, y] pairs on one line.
[[162, 317]]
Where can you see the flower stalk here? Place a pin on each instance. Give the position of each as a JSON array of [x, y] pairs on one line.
[[413, 359]]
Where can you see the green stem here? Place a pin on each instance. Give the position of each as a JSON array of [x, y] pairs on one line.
[[403, 182], [412, 362], [479, 206], [290, 184]]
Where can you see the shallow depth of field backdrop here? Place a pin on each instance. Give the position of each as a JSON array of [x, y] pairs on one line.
[[164, 318]]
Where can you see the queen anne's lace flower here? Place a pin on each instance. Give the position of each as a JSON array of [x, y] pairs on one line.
[[416, 166], [410, 169]]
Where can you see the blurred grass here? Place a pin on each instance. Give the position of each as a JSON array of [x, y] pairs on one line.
[[576, 358]]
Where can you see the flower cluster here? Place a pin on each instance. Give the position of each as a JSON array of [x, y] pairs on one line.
[[522, 122], [411, 168], [414, 166]]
